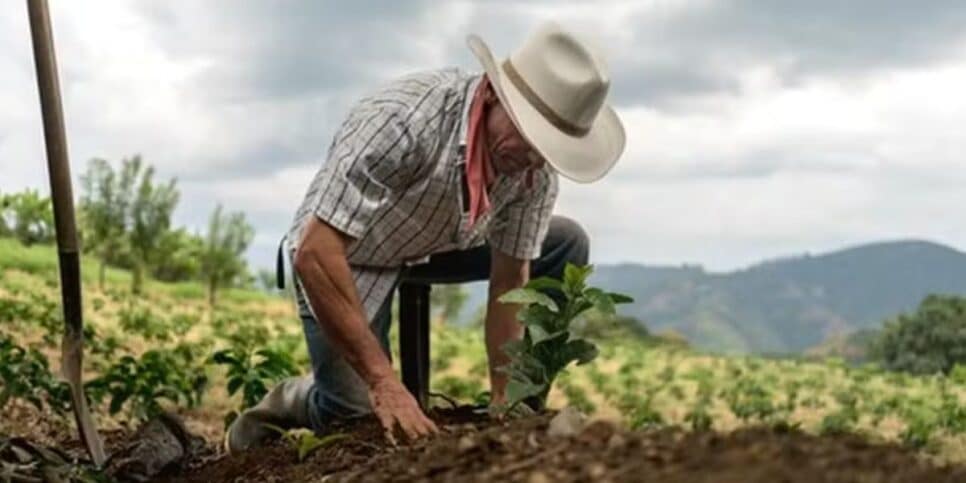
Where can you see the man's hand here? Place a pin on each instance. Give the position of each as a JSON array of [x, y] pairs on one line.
[[326, 276], [394, 405]]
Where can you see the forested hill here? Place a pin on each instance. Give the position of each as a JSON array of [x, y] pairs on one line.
[[785, 305], [789, 304]]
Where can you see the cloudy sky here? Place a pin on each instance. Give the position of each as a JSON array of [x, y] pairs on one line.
[[755, 128]]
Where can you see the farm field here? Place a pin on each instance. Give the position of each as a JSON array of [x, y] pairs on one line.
[[660, 407]]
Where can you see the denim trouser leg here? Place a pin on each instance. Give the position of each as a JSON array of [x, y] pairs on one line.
[[340, 393]]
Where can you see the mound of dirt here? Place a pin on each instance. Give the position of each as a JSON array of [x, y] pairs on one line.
[[474, 448]]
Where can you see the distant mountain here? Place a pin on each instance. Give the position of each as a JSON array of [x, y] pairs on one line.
[[786, 305]]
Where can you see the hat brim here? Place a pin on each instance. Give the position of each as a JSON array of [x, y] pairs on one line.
[[583, 159]]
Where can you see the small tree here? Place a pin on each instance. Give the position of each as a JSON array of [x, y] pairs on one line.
[[931, 340], [126, 216], [103, 208], [178, 256], [222, 261], [150, 220], [27, 216]]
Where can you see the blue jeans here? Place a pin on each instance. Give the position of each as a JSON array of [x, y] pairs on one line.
[[340, 393]]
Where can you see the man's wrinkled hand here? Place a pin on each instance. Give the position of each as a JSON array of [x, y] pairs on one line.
[[395, 406]]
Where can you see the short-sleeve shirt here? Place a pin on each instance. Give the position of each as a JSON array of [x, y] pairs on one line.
[[394, 181]]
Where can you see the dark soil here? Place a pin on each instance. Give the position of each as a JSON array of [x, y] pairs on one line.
[[473, 448]]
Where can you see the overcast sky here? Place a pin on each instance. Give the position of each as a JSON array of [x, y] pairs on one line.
[[755, 128]]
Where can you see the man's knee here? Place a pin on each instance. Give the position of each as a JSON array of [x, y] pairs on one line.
[[571, 238]]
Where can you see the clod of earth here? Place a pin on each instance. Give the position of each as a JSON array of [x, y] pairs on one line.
[[160, 444]]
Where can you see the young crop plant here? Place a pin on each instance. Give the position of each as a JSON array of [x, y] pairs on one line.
[[576, 395], [699, 416], [35, 310], [252, 372], [748, 399], [143, 321], [548, 346], [157, 375], [25, 374], [952, 413], [304, 441], [644, 415], [921, 424], [844, 419]]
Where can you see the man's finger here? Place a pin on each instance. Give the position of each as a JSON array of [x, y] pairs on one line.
[[429, 424], [387, 422], [409, 428], [420, 425]]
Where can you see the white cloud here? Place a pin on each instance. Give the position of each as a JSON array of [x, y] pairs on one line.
[[743, 143]]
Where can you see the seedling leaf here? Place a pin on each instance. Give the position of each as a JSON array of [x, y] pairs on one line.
[[529, 296]]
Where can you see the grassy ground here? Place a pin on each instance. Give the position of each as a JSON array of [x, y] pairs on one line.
[[635, 382]]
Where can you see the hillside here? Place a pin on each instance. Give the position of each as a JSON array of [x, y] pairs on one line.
[[786, 305]]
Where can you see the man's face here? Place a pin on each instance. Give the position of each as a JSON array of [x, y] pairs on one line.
[[510, 153]]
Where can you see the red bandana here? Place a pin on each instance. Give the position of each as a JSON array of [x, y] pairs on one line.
[[479, 171]]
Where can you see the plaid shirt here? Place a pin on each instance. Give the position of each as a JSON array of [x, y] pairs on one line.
[[394, 180]]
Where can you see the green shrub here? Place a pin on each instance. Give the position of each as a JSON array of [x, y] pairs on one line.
[[931, 340], [27, 216]]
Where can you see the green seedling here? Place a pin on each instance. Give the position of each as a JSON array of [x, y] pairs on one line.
[[548, 346], [304, 441]]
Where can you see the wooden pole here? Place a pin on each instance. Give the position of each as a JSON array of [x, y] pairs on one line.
[[72, 347]]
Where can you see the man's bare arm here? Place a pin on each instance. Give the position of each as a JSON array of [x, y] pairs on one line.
[[320, 261], [506, 273]]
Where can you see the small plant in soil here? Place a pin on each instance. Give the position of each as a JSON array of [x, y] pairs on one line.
[[699, 416], [25, 374], [304, 441], [548, 346], [253, 372], [841, 421], [142, 383]]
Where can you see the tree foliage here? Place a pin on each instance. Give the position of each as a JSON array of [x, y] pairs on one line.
[[27, 216], [150, 219], [222, 261], [931, 340], [127, 216], [178, 256]]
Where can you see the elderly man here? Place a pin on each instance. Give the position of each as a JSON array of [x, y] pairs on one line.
[[440, 177]]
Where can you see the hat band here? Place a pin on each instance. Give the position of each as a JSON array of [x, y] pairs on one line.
[[531, 96]]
